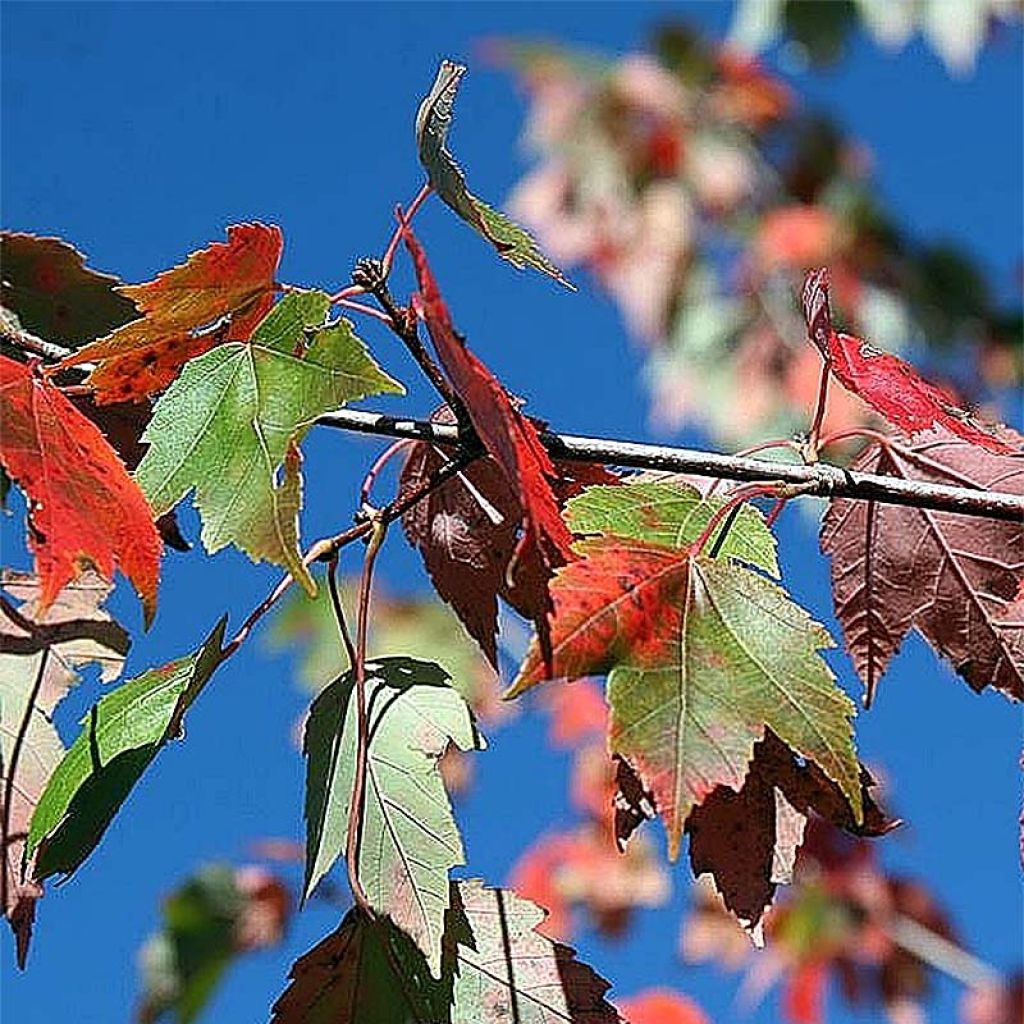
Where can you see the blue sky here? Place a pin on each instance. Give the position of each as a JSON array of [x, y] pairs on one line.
[[139, 131]]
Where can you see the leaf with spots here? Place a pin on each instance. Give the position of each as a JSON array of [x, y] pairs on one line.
[[954, 579], [84, 510], [230, 425], [891, 386], [496, 968], [217, 295], [433, 123], [702, 656], [409, 839]]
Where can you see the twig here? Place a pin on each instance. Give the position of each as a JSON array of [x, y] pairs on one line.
[[323, 550], [361, 307], [354, 835], [11, 769], [19, 338], [821, 478], [812, 443], [389, 255], [370, 275], [728, 512], [375, 470], [352, 290], [339, 611]]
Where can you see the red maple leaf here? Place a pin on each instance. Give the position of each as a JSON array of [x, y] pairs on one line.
[[219, 294], [511, 440], [84, 508], [891, 386]]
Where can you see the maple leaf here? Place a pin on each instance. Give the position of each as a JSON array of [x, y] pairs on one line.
[[219, 294], [702, 655], [510, 438], [84, 508], [54, 294], [208, 921], [433, 122], [497, 967], [72, 633], [231, 424], [888, 384], [122, 424], [409, 837], [952, 578], [466, 530], [121, 736]]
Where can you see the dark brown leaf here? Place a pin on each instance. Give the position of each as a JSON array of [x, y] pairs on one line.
[[954, 579], [55, 295], [748, 840], [467, 529]]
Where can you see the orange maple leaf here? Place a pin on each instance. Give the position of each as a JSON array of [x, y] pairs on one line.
[[219, 294], [84, 508]]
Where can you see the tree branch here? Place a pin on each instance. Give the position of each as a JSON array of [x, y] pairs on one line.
[[820, 478]]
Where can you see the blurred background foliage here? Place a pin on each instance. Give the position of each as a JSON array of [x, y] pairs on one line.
[[696, 189]]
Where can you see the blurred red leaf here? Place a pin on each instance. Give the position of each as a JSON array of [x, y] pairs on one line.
[[661, 1006], [582, 867], [84, 508], [796, 237], [804, 993]]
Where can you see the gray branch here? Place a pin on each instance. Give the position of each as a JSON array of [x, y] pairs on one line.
[[820, 478]]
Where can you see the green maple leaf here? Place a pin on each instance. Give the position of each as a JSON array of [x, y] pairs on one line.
[[702, 654], [230, 426], [121, 736], [673, 514], [496, 968], [409, 837], [433, 123]]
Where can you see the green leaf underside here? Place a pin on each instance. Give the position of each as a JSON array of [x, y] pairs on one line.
[[230, 424], [121, 736], [433, 123], [409, 837], [496, 969], [674, 515]]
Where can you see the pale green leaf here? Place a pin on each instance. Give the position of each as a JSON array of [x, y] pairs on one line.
[[409, 837], [229, 427], [736, 655]]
